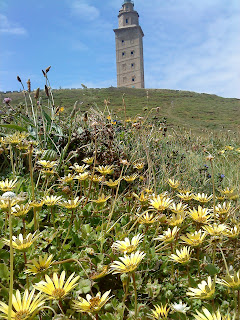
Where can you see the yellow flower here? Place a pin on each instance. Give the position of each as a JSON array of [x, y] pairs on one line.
[[128, 263], [67, 179], [113, 184], [221, 152], [233, 232], [202, 197], [139, 165], [185, 196], [21, 210], [128, 246], [55, 287], [206, 315], [100, 274], [104, 170], [16, 138], [24, 307], [91, 304], [160, 203], [168, 235], [174, 184], [176, 220], [147, 218], [229, 148], [131, 178], [41, 265], [52, 200], [47, 164], [142, 198], [180, 208], [223, 208], [194, 239], [204, 291], [79, 169], [227, 191], [231, 281], [101, 200], [88, 160], [202, 215], [37, 204], [82, 176], [160, 312], [20, 243], [216, 230], [7, 185], [182, 256], [96, 179], [71, 204]]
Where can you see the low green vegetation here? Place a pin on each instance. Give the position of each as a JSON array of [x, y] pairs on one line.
[[107, 217]]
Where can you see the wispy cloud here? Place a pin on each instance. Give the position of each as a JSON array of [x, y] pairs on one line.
[[8, 27], [84, 10]]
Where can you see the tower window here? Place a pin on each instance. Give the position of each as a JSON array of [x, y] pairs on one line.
[[132, 53], [126, 20], [122, 41], [132, 65], [133, 79], [123, 54]]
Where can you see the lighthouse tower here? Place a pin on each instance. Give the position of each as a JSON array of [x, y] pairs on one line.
[[129, 48]]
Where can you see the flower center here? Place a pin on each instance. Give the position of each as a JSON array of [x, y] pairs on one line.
[[22, 314], [94, 302], [58, 293]]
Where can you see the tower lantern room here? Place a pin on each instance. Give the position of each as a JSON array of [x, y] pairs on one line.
[[129, 47]]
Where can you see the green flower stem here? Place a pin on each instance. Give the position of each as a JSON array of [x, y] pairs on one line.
[[12, 163], [69, 227], [214, 193], [33, 188], [126, 289], [11, 262], [198, 262], [135, 294], [25, 263], [214, 252]]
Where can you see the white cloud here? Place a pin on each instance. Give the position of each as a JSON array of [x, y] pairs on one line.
[[84, 10], [7, 27]]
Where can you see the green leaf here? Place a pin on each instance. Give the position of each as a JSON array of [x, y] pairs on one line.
[[47, 117], [49, 155], [84, 286], [14, 127], [211, 269], [4, 272], [26, 119]]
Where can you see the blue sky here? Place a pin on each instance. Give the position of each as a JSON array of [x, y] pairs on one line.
[[188, 44]]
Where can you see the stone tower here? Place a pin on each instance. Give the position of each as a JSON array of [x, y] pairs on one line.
[[129, 48]]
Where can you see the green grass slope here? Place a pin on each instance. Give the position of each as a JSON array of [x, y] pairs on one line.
[[196, 111]]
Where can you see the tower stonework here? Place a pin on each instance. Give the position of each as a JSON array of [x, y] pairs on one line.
[[129, 48]]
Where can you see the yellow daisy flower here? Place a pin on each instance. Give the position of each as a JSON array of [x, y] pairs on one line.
[[55, 288], [128, 246], [143, 199], [194, 239], [112, 184], [147, 218], [7, 185], [176, 220], [51, 201], [168, 235], [82, 176], [185, 196], [104, 170], [67, 179], [231, 281], [207, 315], [131, 178], [160, 203], [178, 208], [41, 265], [101, 200], [88, 160], [21, 210], [16, 138], [139, 165], [79, 169], [216, 230], [24, 307], [202, 197], [128, 263], [160, 312], [37, 204], [232, 232], [47, 164], [182, 256], [20, 243], [91, 304], [174, 184], [71, 204], [201, 215], [205, 290]]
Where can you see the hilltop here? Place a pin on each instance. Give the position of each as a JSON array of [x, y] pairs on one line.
[[195, 111]]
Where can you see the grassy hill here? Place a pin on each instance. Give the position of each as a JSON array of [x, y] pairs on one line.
[[198, 111]]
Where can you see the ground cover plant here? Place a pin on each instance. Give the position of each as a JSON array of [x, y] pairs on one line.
[[115, 218]]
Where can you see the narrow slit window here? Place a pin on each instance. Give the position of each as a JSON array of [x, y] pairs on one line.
[[132, 53], [126, 20], [123, 54]]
